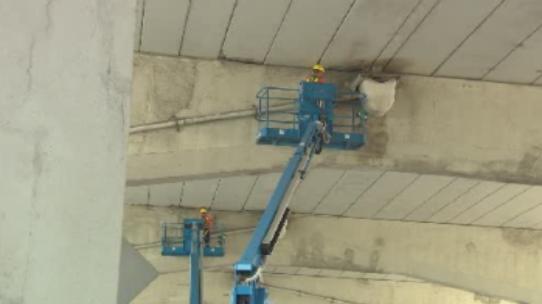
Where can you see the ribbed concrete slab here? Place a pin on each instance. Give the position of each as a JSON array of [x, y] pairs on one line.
[[165, 194], [444, 197], [515, 206], [233, 192], [261, 192], [136, 195], [315, 188], [522, 65], [306, 31], [198, 193], [421, 190], [466, 200], [409, 26], [439, 34], [347, 191], [363, 193], [163, 24], [385, 189], [253, 28], [486, 205], [206, 27], [507, 27], [365, 32], [530, 218]]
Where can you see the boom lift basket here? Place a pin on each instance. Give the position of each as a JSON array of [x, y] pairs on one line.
[[283, 114]]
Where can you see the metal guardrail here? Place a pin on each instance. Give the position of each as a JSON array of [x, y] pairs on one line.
[[172, 235], [278, 108]]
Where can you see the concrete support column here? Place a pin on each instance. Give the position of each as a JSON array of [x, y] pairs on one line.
[[65, 77]]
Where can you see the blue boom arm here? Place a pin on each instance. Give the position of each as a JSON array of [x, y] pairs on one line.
[[247, 288]]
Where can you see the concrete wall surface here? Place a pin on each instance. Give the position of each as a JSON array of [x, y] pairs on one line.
[[488, 264], [437, 125], [66, 73]]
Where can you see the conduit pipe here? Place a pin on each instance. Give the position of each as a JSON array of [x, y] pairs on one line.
[[178, 122]]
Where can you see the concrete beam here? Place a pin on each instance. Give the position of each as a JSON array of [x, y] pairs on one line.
[[439, 126], [468, 258]]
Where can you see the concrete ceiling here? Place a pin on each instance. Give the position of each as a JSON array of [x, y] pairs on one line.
[[495, 40], [370, 194]]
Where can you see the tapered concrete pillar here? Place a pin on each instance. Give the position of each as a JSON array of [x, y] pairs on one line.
[[65, 78]]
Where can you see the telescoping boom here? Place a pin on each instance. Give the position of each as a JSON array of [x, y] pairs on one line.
[[313, 128]]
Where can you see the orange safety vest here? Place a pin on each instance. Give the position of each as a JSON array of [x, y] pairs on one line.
[[207, 221]]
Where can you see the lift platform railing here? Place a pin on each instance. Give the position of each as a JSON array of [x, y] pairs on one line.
[[176, 239], [279, 112]]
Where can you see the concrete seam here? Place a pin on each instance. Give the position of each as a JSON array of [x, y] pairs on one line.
[[430, 197], [215, 192], [306, 293], [277, 31], [328, 192], [476, 203], [500, 205], [337, 30], [520, 214], [414, 8], [140, 36], [148, 195], [535, 225], [517, 46], [362, 193], [454, 200], [250, 192], [181, 194], [478, 26], [187, 15], [411, 34], [395, 196], [230, 19], [536, 79]]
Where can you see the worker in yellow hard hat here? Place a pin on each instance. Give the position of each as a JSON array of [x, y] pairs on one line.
[[207, 225], [317, 74]]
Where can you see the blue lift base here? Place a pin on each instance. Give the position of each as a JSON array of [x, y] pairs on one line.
[[291, 137]]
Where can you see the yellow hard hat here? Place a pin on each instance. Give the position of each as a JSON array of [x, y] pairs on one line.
[[318, 67], [202, 210]]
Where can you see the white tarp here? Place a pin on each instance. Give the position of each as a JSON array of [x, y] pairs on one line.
[[380, 95]]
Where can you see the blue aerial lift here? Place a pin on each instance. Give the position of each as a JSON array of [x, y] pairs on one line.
[[316, 116], [185, 240], [311, 123]]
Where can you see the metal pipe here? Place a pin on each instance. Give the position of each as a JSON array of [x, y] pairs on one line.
[[186, 121]]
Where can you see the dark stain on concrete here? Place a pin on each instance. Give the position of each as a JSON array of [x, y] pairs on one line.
[[311, 253], [470, 247], [528, 162], [377, 137], [349, 255], [522, 238], [37, 164], [374, 260], [379, 242]]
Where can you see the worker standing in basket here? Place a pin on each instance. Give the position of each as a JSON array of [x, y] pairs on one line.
[[317, 74], [207, 225]]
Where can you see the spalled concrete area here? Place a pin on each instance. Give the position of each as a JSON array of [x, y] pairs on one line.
[[66, 81], [356, 261], [442, 126]]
